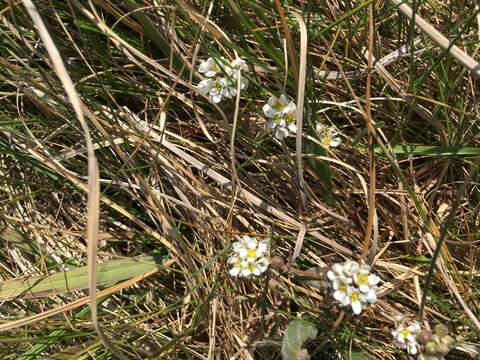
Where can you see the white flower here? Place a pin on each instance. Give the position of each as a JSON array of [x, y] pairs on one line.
[[209, 68], [355, 299], [281, 113], [222, 86], [275, 106], [353, 285], [232, 68], [406, 337], [239, 64], [364, 280], [351, 268], [340, 286], [250, 257], [328, 135], [229, 88], [215, 89]]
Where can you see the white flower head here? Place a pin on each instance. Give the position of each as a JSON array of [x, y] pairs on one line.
[[352, 285], [282, 116], [238, 64], [341, 287], [250, 256], [406, 337], [328, 135], [221, 78]]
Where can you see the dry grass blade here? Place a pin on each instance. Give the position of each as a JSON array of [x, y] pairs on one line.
[[289, 41], [372, 218], [436, 36], [93, 183], [300, 104], [92, 236]]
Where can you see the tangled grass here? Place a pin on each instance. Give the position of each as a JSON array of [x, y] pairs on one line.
[[145, 213]]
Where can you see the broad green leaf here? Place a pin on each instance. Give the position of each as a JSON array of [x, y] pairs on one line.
[[296, 334], [108, 274]]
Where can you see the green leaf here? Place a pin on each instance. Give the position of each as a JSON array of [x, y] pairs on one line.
[[108, 274], [297, 332], [422, 259], [409, 149]]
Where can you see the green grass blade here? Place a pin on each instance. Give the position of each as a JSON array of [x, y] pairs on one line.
[[432, 150]]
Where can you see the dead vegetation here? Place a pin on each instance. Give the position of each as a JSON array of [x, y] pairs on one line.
[[170, 179]]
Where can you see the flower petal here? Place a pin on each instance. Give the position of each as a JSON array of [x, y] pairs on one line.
[[205, 86], [339, 295], [263, 246], [292, 128], [356, 307], [252, 243], [233, 259], [281, 133], [269, 111], [216, 98], [234, 271]]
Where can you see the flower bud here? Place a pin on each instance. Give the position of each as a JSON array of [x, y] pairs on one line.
[[448, 340], [424, 336], [441, 330], [442, 348], [431, 347]]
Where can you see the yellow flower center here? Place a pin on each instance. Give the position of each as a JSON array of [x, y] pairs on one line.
[[252, 253], [290, 118], [277, 118], [217, 85], [404, 332], [251, 266], [362, 279], [354, 297]]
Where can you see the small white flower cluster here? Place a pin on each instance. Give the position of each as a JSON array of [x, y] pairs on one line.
[[328, 135], [406, 335], [281, 114], [219, 87], [353, 285], [250, 256]]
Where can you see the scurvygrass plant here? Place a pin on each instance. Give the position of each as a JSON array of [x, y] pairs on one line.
[[151, 242]]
